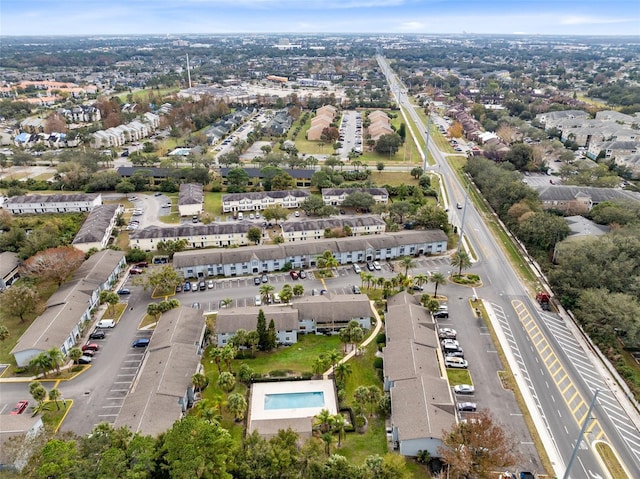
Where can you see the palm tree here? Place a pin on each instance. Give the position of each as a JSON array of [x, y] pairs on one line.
[[207, 410], [75, 354], [361, 395], [327, 438], [266, 290], [368, 277], [420, 279], [327, 260], [461, 260], [41, 362], [380, 281], [341, 371], [199, 381], [323, 420], [373, 397], [319, 365], [56, 357], [333, 357], [228, 355], [437, 279], [339, 426], [54, 395], [407, 263], [216, 355], [226, 302], [253, 339], [286, 293], [237, 405], [363, 278], [226, 381]]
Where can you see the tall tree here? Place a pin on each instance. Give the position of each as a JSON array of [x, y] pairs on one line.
[[479, 447], [438, 279], [196, 449], [271, 335], [261, 328], [237, 405], [19, 301], [53, 263], [110, 298], [460, 260]]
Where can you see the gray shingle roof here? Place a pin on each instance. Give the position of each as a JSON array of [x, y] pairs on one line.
[[348, 191], [8, 262], [312, 248], [96, 224], [51, 198], [285, 318], [186, 230], [171, 360], [323, 223], [190, 194], [297, 173], [326, 309], [597, 195], [258, 195]]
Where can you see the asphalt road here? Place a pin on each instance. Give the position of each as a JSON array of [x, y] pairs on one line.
[[558, 372]]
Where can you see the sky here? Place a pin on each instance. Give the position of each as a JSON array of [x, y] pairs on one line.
[[118, 17]]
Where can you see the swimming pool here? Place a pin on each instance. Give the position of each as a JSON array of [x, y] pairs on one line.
[[294, 400]]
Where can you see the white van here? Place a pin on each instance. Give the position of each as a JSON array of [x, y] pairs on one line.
[[106, 323], [453, 362], [258, 300], [356, 269], [240, 215]]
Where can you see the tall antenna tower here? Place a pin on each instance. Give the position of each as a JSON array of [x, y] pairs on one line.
[[188, 71]]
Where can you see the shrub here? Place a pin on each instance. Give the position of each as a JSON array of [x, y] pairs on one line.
[[381, 338], [377, 363]]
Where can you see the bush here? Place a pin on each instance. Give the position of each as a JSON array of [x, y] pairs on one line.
[[381, 338], [377, 363], [278, 373]]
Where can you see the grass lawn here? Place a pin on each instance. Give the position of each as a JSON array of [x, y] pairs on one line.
[[298, 358], [356, 447], [16, 327], [143, 95], [362, 373], [213, 203], [118, 309], [52, 416], [458, 376], [392, 178]]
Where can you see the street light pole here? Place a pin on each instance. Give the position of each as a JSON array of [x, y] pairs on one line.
[[464, 214], [426, 148], [587, 419]]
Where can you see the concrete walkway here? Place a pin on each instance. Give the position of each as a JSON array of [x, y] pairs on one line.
[[364, 343]]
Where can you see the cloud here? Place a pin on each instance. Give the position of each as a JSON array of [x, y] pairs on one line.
[[411, 27], [587, 20]]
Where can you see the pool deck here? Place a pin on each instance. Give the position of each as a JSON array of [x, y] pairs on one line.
[[267, 422]]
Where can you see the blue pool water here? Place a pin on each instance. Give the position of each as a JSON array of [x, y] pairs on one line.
[[293, 400]]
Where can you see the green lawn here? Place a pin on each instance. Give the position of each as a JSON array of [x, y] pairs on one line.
[[356, 447], [213, 203], [298, 358], [362, 372]]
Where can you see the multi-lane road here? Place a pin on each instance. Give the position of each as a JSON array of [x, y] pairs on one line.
[[557, 372]]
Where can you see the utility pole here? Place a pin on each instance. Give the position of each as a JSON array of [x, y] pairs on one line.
[[587, 419], [464, 214], [426, 148]]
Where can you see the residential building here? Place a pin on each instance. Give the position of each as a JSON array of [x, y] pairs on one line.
[[256, 259], [68, 310], [301, 176], [259, 200], [285, 319], [33, 204], [551, 119], [215, 235], [96, 230], [17, 428], [578, 200], [422, 406], [190, 199], [163, 390], [319, 314], [335, 196], [315, 229], [9, 269]]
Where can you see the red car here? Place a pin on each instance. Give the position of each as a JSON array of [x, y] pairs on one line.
[[135, 271], [20, 407], [92, 346], [293, 274]]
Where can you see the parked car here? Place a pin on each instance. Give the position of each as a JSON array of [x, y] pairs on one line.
[[453, 362], [142, 264], [187, 286], [276, 298], [123, 292], [355, 289], [464, 389], [370, 266], [93, 346], [454, 353], [450, 343], [195, 305], [443, 314], [376, 266], [257, 300], [135, 271], [210, 284], [417, 287], [106, 323], [19, 408], [264, 278], [178, 288], [293, 274], [357, 269], [89, 352], [84, 359], [97, 334], [467, 406], [302, 274], [202, 285], [140, 343], [256, 281], [447, 333]]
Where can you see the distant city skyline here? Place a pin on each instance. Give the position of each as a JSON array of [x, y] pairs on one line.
[[126, 17]]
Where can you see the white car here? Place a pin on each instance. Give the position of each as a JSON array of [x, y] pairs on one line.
[[106, 323], [450, 343], [210, 284], [447, 333], [453, 362], [464, 389], [376, 266]]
